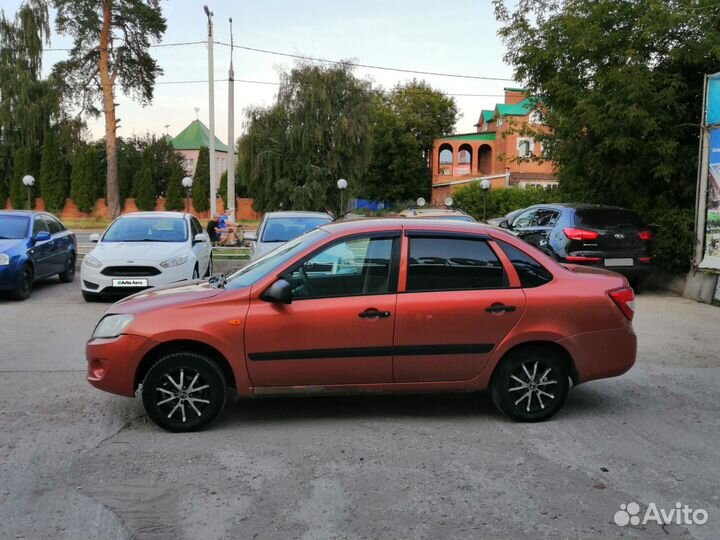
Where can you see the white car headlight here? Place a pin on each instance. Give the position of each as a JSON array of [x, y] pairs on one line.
[[4, 259], [175, 261], [91, 261], [112, 326]]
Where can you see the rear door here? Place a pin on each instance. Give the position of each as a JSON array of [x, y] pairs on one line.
[[455, 308], [60, 245], [339, 327]]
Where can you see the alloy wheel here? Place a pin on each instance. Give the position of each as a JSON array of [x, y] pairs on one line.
[[534, 386], [182, 395]]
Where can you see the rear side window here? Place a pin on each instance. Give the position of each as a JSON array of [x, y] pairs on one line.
[[607, 218], [531, 272], [443, 264]]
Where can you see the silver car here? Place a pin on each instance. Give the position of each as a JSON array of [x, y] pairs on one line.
[[276, 228]]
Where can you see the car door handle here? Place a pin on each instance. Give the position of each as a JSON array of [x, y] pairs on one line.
[[499, 308], [372, 313]]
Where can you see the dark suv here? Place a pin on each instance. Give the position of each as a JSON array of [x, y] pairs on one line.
[[589, 234]]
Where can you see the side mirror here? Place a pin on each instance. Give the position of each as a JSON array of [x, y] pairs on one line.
[[250, 236], [42, 236], [505, 224], [279, 291], [95, 238], [201, 237]]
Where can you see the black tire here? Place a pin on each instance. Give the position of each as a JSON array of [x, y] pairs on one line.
[[535, 372], [167, 400], [25, 285], [90, 296], [196, 273], [68, 275], [209, 271]]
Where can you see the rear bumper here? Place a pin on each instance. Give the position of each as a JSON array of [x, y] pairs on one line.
[[603, 354]]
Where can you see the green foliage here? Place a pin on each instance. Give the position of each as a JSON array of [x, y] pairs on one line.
[[22, 165], [501, 201], [53, 180], [129, 163], [317, 132], [83, 179], [201, 181], [622, 82], [146, 195], [222, 189], [175, 194]]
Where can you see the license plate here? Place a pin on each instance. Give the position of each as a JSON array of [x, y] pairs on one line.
[[129, 282], [619, 262]]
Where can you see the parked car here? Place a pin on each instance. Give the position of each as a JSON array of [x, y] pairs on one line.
[[421, 306], [145, 249], [430, 212], [276, 228], [33, 246], [509, 217], [591, 235]]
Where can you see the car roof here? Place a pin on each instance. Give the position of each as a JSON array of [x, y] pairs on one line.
[[25, 213], [576, 206], [384, 224], [432, 212], [297, 213], [153, 214]]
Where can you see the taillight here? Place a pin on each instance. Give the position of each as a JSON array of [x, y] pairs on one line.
[[645, 235], [625, 300], [579, 234], [578, 258]]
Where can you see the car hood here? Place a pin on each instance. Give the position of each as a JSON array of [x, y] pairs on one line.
[[6, 246], [123, 252], [163, 297]]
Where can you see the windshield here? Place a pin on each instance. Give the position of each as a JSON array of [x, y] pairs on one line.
[[286, 228], [13, 227], [264, 265], [149, 229]]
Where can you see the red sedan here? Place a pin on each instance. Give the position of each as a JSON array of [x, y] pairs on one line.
[[378, 305]]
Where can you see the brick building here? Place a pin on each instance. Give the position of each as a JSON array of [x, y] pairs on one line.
[[491, 151], [188, 143]]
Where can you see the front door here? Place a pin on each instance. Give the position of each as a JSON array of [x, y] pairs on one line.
[[42, 252], [456, 308], [339, 327]]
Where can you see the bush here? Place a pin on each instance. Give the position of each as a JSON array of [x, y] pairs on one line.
[[501, 201], [673, 239]]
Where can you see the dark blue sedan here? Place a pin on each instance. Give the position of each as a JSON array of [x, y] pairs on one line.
[[33, 245]]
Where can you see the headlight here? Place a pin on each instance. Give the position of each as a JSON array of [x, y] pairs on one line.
[[4, 259], [112, 326], [175, 261], [92, 261]]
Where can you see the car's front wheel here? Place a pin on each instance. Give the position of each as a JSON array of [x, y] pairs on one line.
[[530, 384], [184, 391]]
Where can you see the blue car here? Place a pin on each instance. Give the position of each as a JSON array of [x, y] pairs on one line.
[[33, 245]]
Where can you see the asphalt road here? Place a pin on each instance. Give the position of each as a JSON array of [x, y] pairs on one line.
[[80, 464]]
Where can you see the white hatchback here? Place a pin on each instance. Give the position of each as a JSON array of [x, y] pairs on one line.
[[145, 249]]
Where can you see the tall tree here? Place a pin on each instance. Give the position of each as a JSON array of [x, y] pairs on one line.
[[201, 181], [23, 164], [146, 196], [316, 132], [622, 83], [175, 194], [53, 181], [83, 184], [405, 123], [111, 39]]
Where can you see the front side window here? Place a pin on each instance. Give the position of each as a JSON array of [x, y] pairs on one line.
[[524, 219], [53, 225], [196, 227], [39, 225], [150, 229], [544, 217], [443, 264], [353, 267]]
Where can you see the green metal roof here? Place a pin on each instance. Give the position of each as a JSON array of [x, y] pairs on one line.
[[487, 115], [195, 136], [470, 137], [518, 109]]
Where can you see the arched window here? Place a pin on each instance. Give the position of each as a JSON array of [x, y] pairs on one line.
[[465, 159], [445, 161], [485, 159]]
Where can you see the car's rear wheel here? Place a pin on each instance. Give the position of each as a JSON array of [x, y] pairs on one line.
[[530, 384], [184, 391], [25, 284], [68, 275]]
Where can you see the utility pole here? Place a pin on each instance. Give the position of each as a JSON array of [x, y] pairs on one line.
[[230, 203], [213, 185]]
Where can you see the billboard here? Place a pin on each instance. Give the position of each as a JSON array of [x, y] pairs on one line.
[[708, 201]]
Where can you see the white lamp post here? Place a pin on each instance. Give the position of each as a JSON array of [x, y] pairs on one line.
[[187, 184], [342, 185], [29, 182], [485, 186]]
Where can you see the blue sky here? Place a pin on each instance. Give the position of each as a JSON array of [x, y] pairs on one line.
[[457, 37]]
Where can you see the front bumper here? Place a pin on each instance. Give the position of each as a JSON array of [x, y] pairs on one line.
[[93, 280], [113, 362], [9, 276]]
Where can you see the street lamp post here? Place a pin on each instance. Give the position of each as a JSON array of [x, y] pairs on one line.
[[29, 182], [485, 186], [342, 186], [211, 142], [187, 184]]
